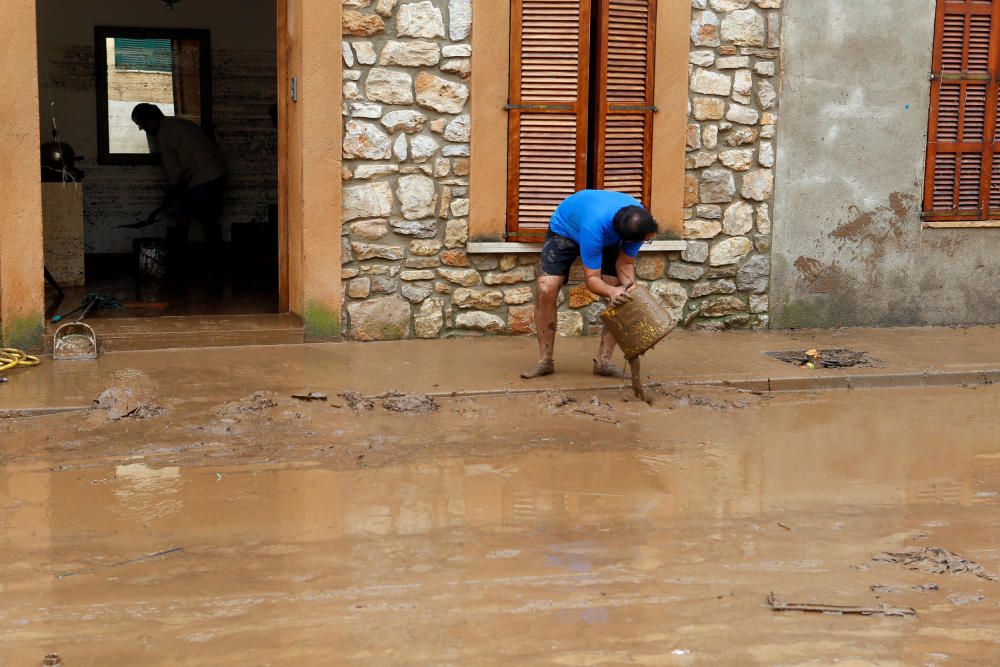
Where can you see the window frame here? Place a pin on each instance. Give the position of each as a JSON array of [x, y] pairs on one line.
[[490, 77], [101, 34]]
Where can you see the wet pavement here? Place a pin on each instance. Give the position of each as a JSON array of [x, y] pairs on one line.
[[555, 529]]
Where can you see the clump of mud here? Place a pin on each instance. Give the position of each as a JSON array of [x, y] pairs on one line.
[[120, 403], [414, 404], [934, 560], [713, 398], [561, 403], [357, 401], [255, 402], [833, 358]]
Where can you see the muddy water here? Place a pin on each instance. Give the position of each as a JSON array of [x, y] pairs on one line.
[[575, 550]]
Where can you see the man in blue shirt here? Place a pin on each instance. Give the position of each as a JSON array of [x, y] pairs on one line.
[[605, 229]]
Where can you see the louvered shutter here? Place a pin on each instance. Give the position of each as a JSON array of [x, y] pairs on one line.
[[961, 169], [547, 133], [624, 121]]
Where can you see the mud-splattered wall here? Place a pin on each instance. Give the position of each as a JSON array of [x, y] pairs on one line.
[[848, 247], [244, 86]]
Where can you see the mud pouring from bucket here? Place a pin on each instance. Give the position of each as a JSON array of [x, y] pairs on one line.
[[637, 326]]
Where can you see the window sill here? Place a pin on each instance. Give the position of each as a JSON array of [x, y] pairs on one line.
[[960, 224], [504, 248]]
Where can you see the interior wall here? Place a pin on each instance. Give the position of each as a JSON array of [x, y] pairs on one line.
[[243, 35]]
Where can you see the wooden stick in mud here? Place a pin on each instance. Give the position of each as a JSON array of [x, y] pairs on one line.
[[885, 610]]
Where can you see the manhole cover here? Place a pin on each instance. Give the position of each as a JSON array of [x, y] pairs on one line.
[[835, 358]]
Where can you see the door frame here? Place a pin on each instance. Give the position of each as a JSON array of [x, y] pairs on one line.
[[310, 134]]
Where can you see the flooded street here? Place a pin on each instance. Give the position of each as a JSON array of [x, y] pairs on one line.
[[543, 529]]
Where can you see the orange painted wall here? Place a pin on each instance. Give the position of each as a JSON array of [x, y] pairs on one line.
[[22, 289]]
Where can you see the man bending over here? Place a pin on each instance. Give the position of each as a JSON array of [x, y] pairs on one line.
[[605, 229]]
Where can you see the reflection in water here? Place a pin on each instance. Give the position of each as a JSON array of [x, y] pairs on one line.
[[144, 494]]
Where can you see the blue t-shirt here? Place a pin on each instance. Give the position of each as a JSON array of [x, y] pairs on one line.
[[587, 217]]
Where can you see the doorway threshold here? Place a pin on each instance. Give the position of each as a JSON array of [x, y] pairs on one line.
[[159, 333]]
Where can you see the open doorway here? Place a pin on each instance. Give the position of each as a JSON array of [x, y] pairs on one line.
[[208, 69]]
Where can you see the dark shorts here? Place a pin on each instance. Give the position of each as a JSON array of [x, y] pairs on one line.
[[559, 253]]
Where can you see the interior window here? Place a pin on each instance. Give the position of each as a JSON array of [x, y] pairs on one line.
[[168, 68]]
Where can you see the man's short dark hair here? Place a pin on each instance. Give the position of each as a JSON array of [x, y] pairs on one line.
[[634, 223], [146, 111]]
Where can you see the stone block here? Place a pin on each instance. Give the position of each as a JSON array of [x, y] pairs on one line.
[[366, 110], [372, 200], [419, 19], [721, 306], [738, 219], [457, 51], [363, 251], [369, 230], [481, 299], [416, 195], [742, 114], [672, 296], [701, 58], [365, 52], [521, 319], [705, 29], [424, 248], [456, 233], [753, 276], [730, 251], [648, 266], [690, 190], [459, 66], [384, 318], [518, 295], [440, 94], [463, 277], [423, 147], [737, 159], [416, 292], [411, 53], [766, 95], [699, 159], [708, 108], [733, 62], [717, 186], [459, 19], [458, 129], [744, 27], [758, 303], [707, 82], [455, 258], [405, 120], [429, 320], [359, 288], [389, 86], [416, 262], [758, 185], [569, 324], [357, 24], [479, 321], [681, 271], [764, 68], [580, 296], [763, 219], [701, 229], [722, 286], [518, 275], [696, 252], [415, 275]]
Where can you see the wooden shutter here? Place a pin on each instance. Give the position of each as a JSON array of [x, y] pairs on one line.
[[547, 132], [962, 177], [624, 106]]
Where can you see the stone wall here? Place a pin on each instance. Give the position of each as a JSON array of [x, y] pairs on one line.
[[406, 174]]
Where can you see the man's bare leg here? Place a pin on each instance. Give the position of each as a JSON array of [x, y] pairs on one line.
[[546, 294], [603, 364]]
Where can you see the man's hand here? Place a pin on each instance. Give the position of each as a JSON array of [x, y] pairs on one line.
[[619, 296]]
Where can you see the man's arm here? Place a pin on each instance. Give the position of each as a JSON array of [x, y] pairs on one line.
[[596, 284], [625, 268]]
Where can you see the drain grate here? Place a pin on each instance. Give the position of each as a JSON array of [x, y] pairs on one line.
[[833, 358]]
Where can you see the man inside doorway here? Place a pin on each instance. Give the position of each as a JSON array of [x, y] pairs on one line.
[[605, 229], [195, 170]]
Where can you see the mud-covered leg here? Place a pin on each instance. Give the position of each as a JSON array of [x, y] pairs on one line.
[[546, 294]]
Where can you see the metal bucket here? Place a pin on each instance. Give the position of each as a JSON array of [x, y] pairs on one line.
[[639, 324], [74, 341], [151, 257]]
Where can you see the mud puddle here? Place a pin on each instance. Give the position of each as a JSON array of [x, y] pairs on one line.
[[473, 549]]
